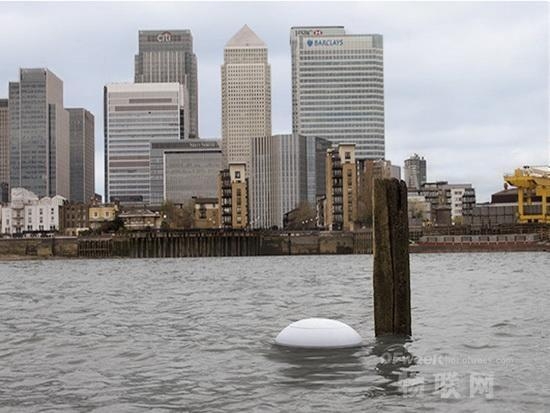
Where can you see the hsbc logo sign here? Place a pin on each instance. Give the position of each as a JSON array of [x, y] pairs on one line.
[[316, 32]]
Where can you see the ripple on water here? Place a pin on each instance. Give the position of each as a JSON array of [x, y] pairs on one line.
[[197, 334]]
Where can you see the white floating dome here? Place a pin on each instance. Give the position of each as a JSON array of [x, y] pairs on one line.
[[318, 333]]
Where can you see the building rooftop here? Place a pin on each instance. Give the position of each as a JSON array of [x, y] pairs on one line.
[[136, 87], [245, 38]]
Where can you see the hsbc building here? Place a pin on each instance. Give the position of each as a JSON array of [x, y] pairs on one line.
[[338, 87]]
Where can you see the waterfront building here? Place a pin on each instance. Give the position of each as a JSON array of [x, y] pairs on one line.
[[284, 171], [82, 154], [246, 95], [463, 200], [27, 213], [140, 219], [135, 116], [167, 56], [233, 197], [415, 171], [100, 214], [338, 87], [206, 213], [39, 134], [4, 149], [456, 200], [74, 218], [181, 170], [340, 207]]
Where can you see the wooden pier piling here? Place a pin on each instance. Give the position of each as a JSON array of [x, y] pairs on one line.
[[391, 273]]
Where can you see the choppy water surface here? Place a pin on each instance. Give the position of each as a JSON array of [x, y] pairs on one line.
[[197, 335]]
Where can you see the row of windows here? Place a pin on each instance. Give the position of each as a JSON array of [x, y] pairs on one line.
[[338, 105], [340, 70], [311, 61], [341, 130]]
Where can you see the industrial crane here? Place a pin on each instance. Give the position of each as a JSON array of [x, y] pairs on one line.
[[531, 181]]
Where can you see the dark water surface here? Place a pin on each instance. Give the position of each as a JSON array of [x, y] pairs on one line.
[[197, 335]]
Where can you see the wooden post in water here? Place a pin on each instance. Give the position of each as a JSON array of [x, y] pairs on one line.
[[391, 274]]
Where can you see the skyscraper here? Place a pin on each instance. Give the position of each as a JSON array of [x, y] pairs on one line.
[[246, 95], [135, 116], [167, 56], [4, 148], [81, 137], [39, 134], [284, 171], [415, 171], [338, 87]]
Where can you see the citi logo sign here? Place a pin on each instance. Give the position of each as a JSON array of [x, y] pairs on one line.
[[164, 37]]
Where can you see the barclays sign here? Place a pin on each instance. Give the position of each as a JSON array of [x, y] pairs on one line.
[[324, 42]]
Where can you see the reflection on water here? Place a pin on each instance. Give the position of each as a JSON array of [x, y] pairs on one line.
[[198, 335], [313, 368]]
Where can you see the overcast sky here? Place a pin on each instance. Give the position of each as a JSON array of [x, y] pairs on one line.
[[466, 84]]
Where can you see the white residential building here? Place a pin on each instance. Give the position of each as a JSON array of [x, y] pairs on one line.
[[246, 95], [27, 213], [135, 116]]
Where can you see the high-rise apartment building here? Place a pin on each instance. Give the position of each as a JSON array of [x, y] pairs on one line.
[[39, 134], [233, 196], [338, 87], [415, 171], [341, 180], [4, 149], [284, 171], [246, 95], [82, 147], [137, 114], [167, 57]]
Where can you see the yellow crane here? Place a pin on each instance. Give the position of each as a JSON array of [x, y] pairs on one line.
[[531, 181]]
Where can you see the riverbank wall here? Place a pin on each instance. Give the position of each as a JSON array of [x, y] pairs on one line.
[[150, 244], [213, 243]]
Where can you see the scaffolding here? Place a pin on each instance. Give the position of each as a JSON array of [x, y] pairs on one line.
[[531, 182]]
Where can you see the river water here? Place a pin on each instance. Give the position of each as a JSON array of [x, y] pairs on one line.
[[197, 335]]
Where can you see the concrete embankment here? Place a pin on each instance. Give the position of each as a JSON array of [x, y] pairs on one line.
[[248, 243], [149, 244]]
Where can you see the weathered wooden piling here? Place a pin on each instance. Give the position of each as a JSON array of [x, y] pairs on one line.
[[391, 274]]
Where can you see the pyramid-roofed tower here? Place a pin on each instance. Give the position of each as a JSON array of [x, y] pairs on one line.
[[245, 38]]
